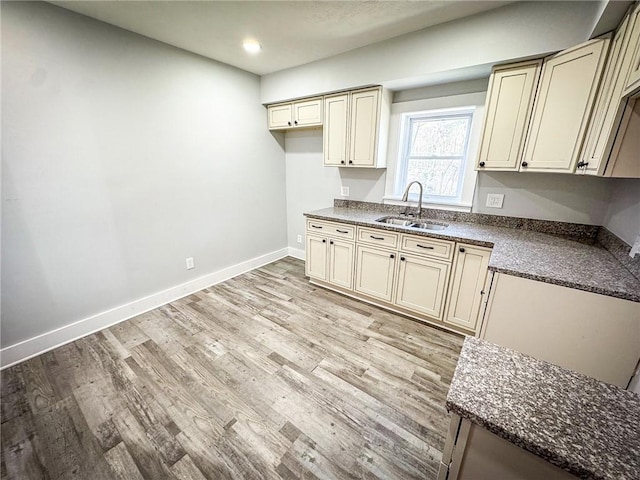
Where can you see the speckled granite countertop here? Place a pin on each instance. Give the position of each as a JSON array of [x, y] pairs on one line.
[[522, 253], [587, 427]]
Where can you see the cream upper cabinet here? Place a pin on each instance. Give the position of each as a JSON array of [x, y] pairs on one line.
[[280, 116], [422, 284], [609, 113], [563, 105], [632, 84], [363, 129], [335, 129], [375, 272], [298, 114], [467, 290], [355, 128], [509, 104]]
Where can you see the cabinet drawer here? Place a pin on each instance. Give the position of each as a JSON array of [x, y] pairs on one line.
[[339, 230], [427, 246], [377, 237]]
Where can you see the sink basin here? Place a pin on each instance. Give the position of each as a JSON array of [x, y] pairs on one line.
[[403, 222], [395, 221], [428, 226]]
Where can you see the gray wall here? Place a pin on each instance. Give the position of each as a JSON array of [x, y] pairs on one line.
[[548, 196], [311, 186], [457, 50], [623, 215], [121, 157]]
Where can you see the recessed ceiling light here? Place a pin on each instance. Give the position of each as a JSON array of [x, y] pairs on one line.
[[252, 47]]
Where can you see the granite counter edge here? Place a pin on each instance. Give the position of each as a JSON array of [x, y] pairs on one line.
[[516, 273]]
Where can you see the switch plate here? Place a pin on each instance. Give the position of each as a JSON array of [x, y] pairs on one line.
[[344, 191], [495, 200], [190, 263], [299, 239]]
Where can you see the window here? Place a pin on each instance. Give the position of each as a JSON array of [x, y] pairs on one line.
[[433, 150]]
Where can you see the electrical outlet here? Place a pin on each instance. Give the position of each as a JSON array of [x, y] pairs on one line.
[[299, 239], [495, 200], [190, 263], [344, 191]]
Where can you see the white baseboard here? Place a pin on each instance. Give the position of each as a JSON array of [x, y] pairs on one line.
[[32, 347], [297, 253]]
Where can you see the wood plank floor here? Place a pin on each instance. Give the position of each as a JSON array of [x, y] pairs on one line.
[[262, 376]]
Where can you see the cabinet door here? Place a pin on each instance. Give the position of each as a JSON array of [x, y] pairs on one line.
[[632, 87], [509, 106], [609, 108], [364, 107], [562, 107], [334, 133], [422, 284], [465, 294], [280, 116], [308, 113], [341, 264], [374, 272], [316, 257]]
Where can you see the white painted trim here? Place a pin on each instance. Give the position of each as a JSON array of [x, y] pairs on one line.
[[297, 253], [32, 347]]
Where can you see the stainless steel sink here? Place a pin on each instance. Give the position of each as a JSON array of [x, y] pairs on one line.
[[395, 221], [403, 222], [428, 226]]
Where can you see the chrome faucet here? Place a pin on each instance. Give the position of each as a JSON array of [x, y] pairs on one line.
[[405, 198]]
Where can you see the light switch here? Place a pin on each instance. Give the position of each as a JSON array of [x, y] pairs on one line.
[[190, 263], [495, 200], [344, 191]]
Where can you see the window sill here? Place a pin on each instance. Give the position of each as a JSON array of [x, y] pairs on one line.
[[455, 207]]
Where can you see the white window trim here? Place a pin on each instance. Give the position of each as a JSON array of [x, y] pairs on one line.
[[449, 103]]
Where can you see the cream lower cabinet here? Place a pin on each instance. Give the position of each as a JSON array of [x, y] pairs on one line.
[[340, 265], [469, 288], [330, 260], [330, 253], [409, 274], [422, 284], [375, 270], [316, 257]]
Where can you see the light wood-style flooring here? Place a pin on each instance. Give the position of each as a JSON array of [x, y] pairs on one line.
[[262, 376]]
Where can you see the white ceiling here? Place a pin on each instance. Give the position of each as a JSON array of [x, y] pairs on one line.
[[291, 32]]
